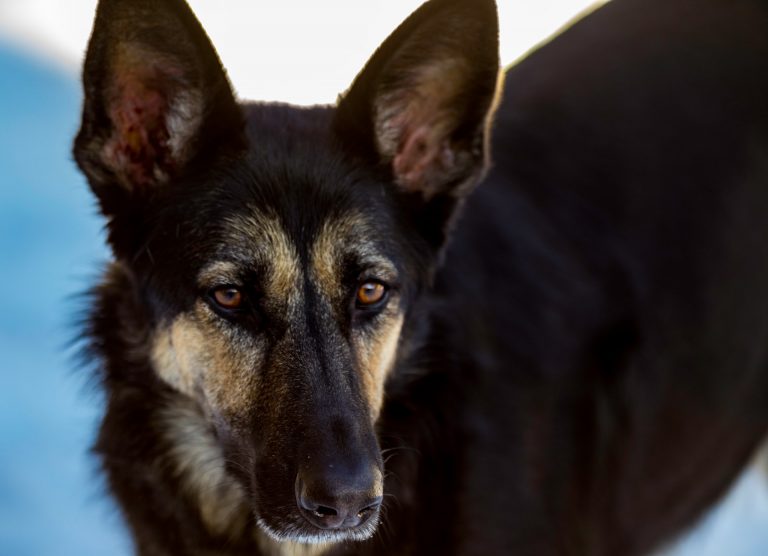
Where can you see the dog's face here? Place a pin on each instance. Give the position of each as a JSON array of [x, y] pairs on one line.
[[278, 252], [283, 325]]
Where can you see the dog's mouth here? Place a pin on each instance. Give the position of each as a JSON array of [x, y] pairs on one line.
[[297, 528]]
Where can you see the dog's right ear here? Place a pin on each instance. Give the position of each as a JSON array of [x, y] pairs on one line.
[[156, 99]]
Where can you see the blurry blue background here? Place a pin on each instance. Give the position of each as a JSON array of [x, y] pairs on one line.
[[51, 243], [51, 248]]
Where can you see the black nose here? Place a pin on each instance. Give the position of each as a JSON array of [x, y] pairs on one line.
[[335, 499]]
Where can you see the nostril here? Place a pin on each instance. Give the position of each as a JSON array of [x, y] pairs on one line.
[[324, 517], [323, 511], [344, 514], [369, 509]]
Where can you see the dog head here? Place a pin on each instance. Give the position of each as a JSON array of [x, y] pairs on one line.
[[278, 252]]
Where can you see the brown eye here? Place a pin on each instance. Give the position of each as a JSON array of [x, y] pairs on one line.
[[371, 293], [228, 298]]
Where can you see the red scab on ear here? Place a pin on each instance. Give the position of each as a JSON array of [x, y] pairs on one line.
[[156, 100], [138, 150]]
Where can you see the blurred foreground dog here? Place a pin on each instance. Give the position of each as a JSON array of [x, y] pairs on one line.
[[296, 359]]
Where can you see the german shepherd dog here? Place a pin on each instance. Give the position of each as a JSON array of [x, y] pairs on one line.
[[306, 351]]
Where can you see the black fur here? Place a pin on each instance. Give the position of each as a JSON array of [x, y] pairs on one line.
[[583, 368]]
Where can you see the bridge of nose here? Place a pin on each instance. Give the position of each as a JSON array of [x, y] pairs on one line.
[[341, 480]]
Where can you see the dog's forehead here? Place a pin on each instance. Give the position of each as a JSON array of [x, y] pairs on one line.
[[294, 206], [254, 240], [351, 237], [261, 235], [286, 252]]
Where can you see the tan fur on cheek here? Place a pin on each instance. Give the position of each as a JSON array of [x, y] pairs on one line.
[[177, 356], [198, 461], [214, 365], [376, 355], [231, 384]]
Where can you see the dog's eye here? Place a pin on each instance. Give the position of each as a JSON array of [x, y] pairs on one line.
[[371, 293], [228, 298]]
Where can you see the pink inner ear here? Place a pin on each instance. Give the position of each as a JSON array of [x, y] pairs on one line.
[[138, 149], [420, 157]]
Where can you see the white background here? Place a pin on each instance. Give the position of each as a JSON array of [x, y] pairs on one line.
[[300, 51]]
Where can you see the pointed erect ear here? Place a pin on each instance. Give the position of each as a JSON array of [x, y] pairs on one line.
[[156, 97], [423, 102]]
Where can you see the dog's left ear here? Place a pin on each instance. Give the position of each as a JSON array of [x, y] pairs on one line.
[[422, 104]]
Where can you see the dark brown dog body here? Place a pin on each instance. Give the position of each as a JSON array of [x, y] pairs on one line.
[[287, 339]]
